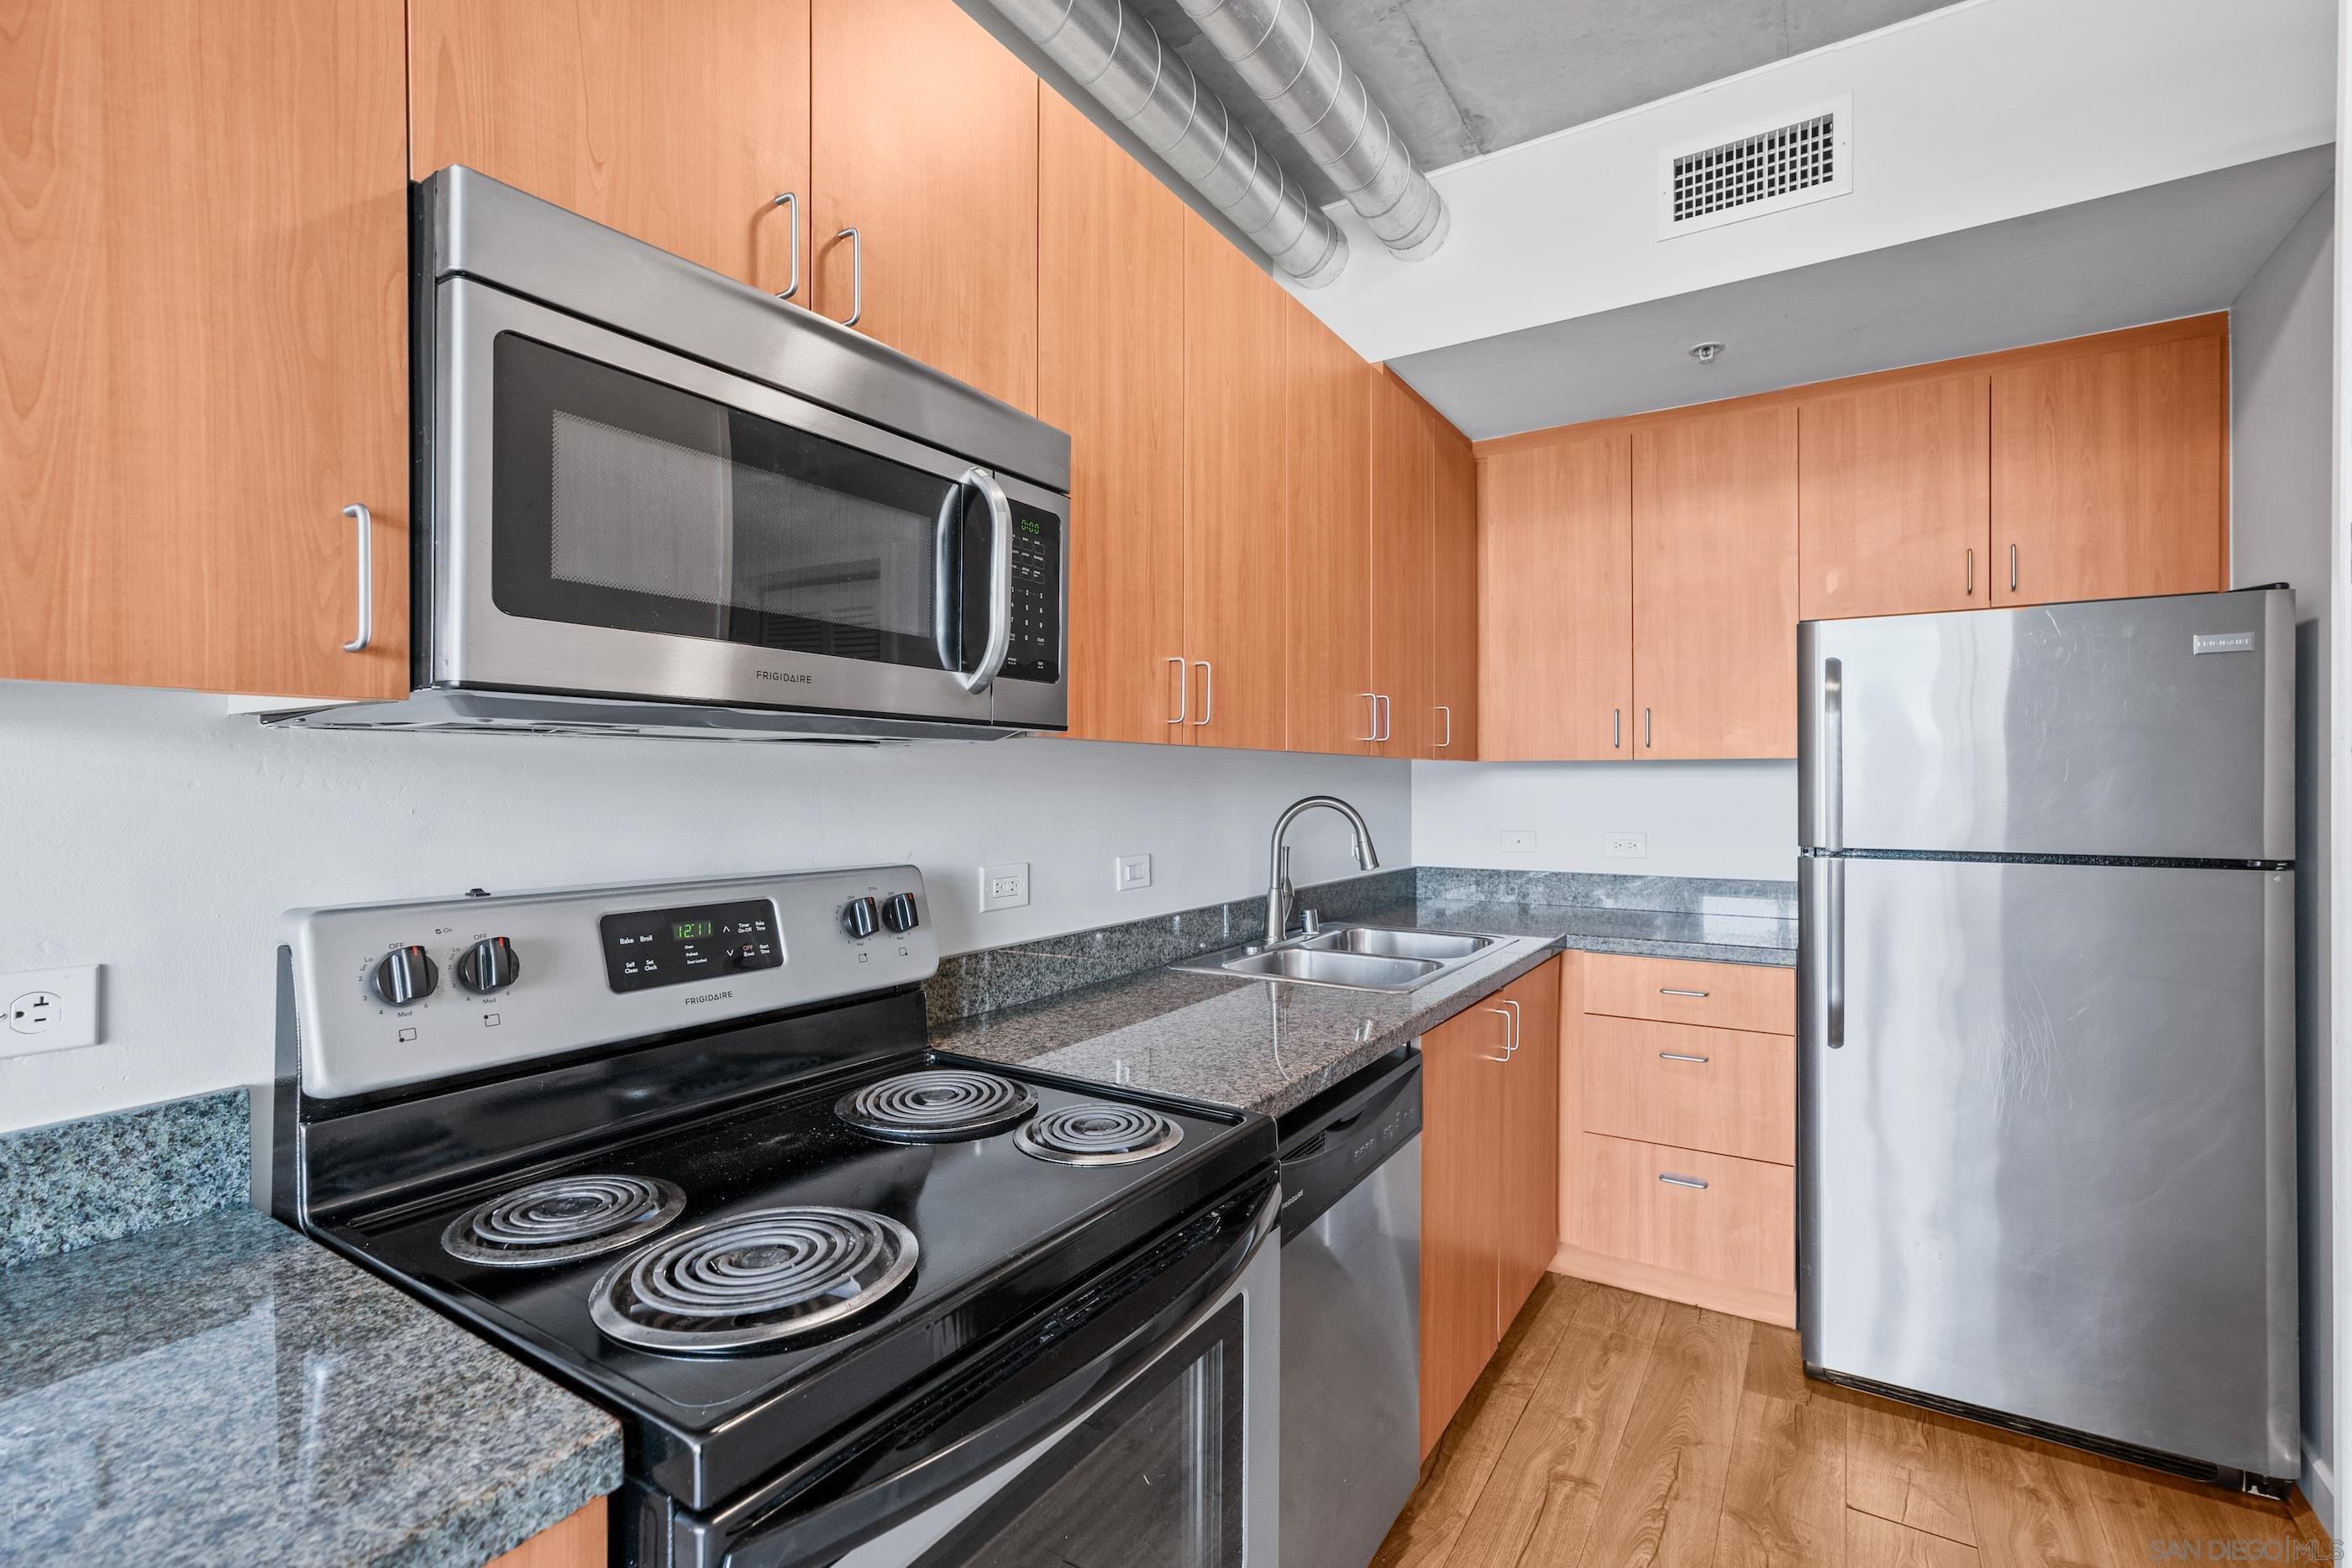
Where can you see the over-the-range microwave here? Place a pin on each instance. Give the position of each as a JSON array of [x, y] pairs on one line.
[[650, 499]]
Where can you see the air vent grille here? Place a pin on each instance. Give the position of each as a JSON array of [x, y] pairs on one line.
[[1753, 171]]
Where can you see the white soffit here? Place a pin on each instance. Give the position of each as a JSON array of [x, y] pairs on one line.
[[1964, 116]]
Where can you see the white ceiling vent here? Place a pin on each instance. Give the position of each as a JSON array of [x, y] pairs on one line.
[[1785, 162]]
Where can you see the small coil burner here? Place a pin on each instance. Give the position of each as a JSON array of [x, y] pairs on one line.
[[555, 1221], [939, 1105], [1098, 1135], [753, 1278]]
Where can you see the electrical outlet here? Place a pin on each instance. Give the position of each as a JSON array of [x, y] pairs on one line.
[[1625, 846], [1129, 872], [1518, 841], [49, 1010], [1004, 886]]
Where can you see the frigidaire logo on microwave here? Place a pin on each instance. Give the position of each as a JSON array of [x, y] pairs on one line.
[[785, 675]]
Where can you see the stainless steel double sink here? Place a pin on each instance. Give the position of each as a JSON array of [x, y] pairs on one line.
[[1350, 958]]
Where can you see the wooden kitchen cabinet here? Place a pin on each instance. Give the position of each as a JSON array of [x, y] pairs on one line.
[[1555, 602], [1403, 533], [579, 1540], [1893, 510], [1110, 371], [1715, 585], [1489, 1183], [678, 121], [205, 344], [2109, 470], [1453, 597], [1329, 404], [924, 138]]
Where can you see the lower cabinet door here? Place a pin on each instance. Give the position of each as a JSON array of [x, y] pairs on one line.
[[1462, 1099], [1526, 1186]]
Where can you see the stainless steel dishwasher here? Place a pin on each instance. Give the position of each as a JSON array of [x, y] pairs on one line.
[[1350, 1314]]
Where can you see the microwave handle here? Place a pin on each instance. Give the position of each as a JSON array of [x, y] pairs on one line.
[[999, 580]]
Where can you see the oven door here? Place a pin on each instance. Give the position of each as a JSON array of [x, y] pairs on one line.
[[610, 519], [1145, 1434]]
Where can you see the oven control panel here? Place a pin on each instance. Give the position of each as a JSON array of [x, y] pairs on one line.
[[1036, 653], [392, 994]]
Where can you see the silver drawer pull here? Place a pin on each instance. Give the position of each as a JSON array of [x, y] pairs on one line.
[[1671, 1179], [1681, 1056], [1674, 991]]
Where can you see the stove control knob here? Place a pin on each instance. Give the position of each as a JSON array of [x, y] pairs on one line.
[[859, 918], [488, 966], [898, 913], [405, 976]]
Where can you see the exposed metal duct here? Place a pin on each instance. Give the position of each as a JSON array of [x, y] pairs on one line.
[[1287, 59], [1117, 56]]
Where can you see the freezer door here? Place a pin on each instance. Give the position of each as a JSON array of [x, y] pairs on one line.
[[2046, 1146], [2138, 727]]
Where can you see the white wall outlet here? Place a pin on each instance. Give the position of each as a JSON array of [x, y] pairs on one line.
[[49, 1010], [1518, 841], [1625, 846], [1129, 872], [1004, 886]]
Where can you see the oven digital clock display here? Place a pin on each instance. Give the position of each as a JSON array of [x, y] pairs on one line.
[[648, 948]]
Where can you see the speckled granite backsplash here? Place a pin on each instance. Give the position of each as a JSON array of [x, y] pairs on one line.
[[77, 1183]]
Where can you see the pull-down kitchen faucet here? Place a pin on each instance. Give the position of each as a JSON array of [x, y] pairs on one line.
[[1278, 890]]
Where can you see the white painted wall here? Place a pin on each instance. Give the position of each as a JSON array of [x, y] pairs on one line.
[[2283, 386], [1966, 116], [156, 834], [1703, 819]]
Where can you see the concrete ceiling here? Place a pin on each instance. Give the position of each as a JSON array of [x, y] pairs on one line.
[[1462, 77], [2163, 251]]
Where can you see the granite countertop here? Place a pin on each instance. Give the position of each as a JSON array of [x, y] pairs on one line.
[[1270, 1047], [225, 1390]]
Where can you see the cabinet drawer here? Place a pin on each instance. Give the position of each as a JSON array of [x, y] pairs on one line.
[[1644, 1202], [1729, 1092], [1676, 990]]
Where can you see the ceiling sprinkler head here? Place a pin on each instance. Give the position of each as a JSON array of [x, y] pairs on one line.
[[1705, 353]]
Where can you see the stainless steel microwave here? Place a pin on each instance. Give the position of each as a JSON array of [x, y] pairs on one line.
[[650, 499]]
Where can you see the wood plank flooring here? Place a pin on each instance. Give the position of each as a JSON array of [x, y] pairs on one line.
[[1613, 1430]]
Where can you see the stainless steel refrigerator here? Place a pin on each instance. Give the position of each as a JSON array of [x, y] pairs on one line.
[[2046, 1008]]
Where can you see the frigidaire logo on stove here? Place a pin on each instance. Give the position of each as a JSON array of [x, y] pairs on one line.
[[785, 675], [708, 997]]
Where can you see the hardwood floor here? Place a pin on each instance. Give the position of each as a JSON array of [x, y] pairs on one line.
[[1613, 1430]]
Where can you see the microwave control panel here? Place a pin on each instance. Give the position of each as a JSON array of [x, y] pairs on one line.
[[1037, 652]]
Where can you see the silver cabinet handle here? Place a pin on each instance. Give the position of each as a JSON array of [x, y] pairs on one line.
[[1208, 692], [1517, 1038], [1448, 741], [1833, 781], [1682, 1056], [999, 580], [1184, 690], [1678, 991], [791, 202], [1833, 955], [1696, 1184], [1972, 573], [856, 275], [1373, 698], [1646, 738], [365, 519], [1507, 1035], [2012, 569], [1616, 729], [1384, 717]]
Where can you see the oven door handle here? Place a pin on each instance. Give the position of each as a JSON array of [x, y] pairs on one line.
[[999, 580], [828, 1503]]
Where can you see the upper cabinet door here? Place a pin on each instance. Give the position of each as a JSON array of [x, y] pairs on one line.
[[1894, 498], [2108, 472], [1453, 599], [924, 140], [1330, 408], [1110, 371], [1715, 585], [205, 345], [1234, 598], [1405, 501], [1556, 602], [677, 123]]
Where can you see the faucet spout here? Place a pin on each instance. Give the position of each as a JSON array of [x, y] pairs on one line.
[[1279, 889]]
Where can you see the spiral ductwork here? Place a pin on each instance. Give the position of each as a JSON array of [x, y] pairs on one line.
[[1112, 51]]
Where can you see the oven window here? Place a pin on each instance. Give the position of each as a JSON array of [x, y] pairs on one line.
[[624, 502], [1153, 1479]]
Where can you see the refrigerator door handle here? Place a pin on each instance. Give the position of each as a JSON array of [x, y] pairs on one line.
[[1832, 763], [1833, 953]]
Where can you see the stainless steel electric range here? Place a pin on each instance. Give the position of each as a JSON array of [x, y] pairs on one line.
[[682, 1147]]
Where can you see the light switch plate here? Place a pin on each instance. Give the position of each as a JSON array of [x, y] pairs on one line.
[[1625, 846], [49, 1010], [1518, 841], [1004, 886], [1129, 872]]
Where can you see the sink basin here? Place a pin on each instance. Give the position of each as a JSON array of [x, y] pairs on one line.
[[1387, 942], [1324, 967]]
